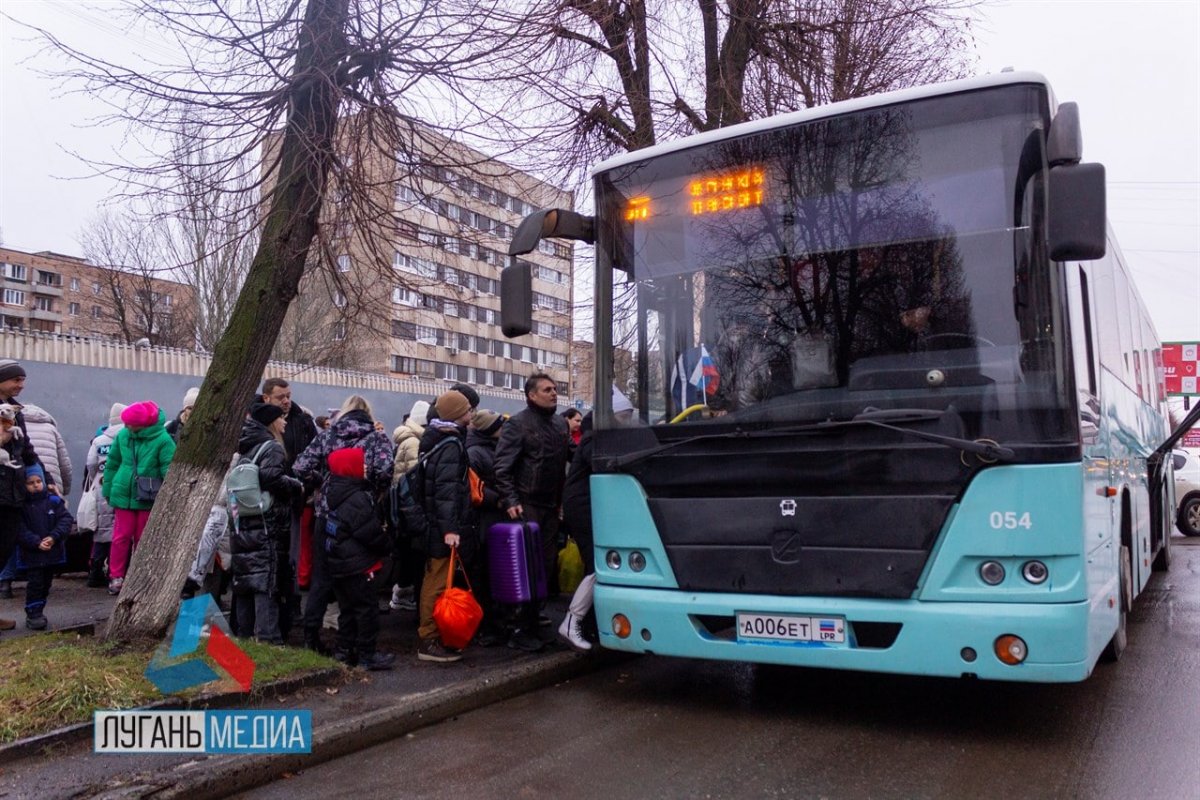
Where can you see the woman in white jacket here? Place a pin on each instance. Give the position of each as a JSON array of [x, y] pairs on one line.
[[96, 458]]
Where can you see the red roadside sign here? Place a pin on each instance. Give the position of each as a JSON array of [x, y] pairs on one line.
[[1180, 367]]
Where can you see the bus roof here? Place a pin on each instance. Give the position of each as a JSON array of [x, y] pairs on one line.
[[821, 112]]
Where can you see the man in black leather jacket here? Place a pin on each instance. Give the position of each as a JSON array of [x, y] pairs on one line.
[[531, 463]]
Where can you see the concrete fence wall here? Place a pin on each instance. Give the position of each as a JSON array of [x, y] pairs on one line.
[[77, 380]]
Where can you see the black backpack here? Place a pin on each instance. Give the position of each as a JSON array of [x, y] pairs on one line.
[[406, 497]]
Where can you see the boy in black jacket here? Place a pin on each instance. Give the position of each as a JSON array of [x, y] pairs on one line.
[[355, 545], [45, 523]]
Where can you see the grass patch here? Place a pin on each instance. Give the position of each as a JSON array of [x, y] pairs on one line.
[[58, 679]]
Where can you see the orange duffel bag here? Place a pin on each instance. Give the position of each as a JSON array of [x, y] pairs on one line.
[[456, 611]]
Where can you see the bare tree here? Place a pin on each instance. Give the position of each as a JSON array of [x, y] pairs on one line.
[[273, 81], [136, 304]]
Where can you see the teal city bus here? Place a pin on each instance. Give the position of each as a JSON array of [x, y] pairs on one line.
[[896, 399]]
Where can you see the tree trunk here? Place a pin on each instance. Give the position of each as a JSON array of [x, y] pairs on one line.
[[150, 597]]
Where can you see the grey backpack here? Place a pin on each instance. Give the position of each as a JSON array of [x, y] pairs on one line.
[[246, 495]]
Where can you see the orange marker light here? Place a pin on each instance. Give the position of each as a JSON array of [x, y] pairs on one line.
[[1011, 649], [621, 626]]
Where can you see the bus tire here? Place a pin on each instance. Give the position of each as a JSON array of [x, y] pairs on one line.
[[1116, 645]]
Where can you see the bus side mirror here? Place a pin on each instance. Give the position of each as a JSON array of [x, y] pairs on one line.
[[1077, 212], [516, 299]]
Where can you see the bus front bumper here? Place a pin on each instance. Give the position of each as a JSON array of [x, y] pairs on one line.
[[898, 636]]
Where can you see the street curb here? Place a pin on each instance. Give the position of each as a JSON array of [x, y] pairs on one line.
[[200, 780], [36, 745]]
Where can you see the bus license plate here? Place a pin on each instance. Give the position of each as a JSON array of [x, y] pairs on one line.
[[778, 628]]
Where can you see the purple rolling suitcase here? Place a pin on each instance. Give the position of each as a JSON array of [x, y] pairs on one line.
[[516, 565]]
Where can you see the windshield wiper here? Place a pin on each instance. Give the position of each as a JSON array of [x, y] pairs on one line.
[[986, 448], [890, 419]]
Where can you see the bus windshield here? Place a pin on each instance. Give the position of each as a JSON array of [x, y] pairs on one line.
[[892, 258]]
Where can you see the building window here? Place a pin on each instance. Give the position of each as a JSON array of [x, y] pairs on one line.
[[95, 287], [14, 272], [339, 331], [96, 312], [403, 330], [13, 297], [74, 284], [166, 300], [450, 308], [406, 297], [343, 263], [339, 299], [73, 309], [44, 303]]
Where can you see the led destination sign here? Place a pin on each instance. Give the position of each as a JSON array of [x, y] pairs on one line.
[[709, 194]]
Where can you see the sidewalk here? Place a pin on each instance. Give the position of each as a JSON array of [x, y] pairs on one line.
[[350, 714]]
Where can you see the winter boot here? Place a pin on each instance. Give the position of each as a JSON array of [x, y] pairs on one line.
[[312, 640], [96, 578], [572, 625]]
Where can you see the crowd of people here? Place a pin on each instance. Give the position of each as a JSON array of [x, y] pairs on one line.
[[313, 526]]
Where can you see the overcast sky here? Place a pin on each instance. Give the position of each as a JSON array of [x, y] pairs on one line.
[[1133, 67]]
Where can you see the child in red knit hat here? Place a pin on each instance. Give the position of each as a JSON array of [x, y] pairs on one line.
[[355, 545]]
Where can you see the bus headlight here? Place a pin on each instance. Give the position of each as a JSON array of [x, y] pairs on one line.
[[1034, 572], [992, 572], [613, 559], [637, 561]]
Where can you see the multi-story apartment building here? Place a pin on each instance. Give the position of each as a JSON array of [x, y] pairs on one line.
[[419, 294], [53, 293]]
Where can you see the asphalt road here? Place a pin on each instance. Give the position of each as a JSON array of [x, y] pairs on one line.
[[667, 728]]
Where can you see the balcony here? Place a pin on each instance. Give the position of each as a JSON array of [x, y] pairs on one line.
[[47, 289], [38, 313]]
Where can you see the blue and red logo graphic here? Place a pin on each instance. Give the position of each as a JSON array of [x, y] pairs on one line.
[[200, 618]]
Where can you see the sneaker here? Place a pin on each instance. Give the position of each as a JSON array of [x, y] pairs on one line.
[[402, 599], [571, 630], [35, 622], [347, 657], [190, 587], [432, 650], [6, 592], [114, 586], [377, 661], [524, 640]]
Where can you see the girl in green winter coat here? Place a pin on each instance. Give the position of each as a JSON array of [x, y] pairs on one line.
[[143, 441]]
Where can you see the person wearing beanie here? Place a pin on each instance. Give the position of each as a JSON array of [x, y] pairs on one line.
[[463, 389], [14, 439], [448, 511], [45, 523], [259, 543], [93, 477], [175, 426], [356, 546], [142, 449], [531, 462], [409, 562], [482, 438]]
